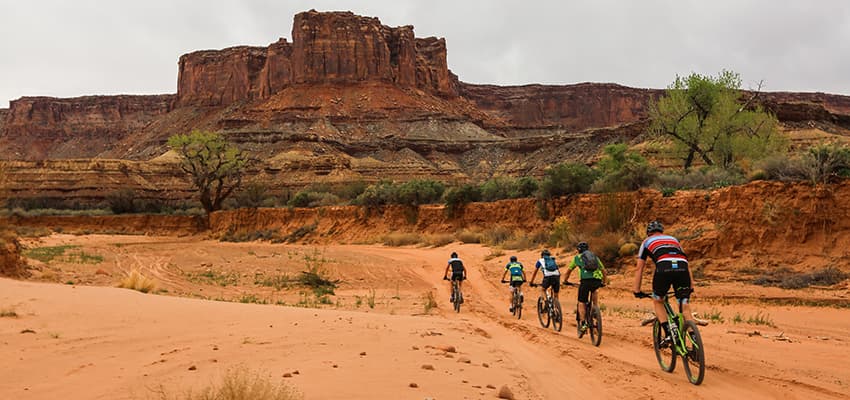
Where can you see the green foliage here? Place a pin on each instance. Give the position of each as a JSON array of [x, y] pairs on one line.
[[306, 198], [47, 254], [561, 234], [826, 163], [503, 187], [623, 170], [214, 165], [709, 118], [566, 178], [417, 192], [457, 198], [703, 178]]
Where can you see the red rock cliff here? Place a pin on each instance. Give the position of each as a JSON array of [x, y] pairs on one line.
[[327, 48], [36, 127]]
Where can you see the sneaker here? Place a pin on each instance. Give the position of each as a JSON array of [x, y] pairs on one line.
[[665, 342], [511, 309], [583, 326]]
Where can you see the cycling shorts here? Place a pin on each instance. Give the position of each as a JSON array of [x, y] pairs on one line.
[[679, 280], [457, 276], [517, 283], [554, 281], [586, 287]]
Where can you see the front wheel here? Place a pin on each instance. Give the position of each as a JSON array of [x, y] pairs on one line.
[[557, 317], [694, 360], [664, 351], [542, 312], [595, 326]]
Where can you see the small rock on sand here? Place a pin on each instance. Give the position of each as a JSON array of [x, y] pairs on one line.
[[362, 353], [287, 375], [428, 367], [505, 393], [192, 368], [464, 360], [413, 385]]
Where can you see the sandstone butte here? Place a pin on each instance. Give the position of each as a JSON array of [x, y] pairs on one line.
[[348, 99]]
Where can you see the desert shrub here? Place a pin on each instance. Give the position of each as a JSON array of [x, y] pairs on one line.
[[561, 233], [401, 239], [429, 301], [615, 212], [458, 197], [499, 188], [297, 234], [787, 279], [467, 236], [703, 178], [251, 236], [607, 247], [136, 281], [826, 163], [781, 167], [497, 235], [566, 178], [349, 191], [416, 192], [439, 239], [252, 195], [627, 249], [239, 384], [623, 170], [313, 199], [376, 195]]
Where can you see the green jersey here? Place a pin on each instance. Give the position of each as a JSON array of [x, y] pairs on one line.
[[576, 262]]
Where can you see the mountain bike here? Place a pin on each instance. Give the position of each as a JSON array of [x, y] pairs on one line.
[[592, 318], [549, 310], [457, 298], [516, 300], [685, 341]]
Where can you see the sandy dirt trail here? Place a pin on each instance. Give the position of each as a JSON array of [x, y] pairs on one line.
[[108, 343]]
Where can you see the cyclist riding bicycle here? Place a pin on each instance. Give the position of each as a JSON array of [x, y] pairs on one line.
[[671, 269], [458, 274], [591, 275], [517, 278], [551, 275]]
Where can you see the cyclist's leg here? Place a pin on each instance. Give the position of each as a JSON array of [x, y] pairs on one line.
[[583, 292], [661, 282], [682, 286], [556, 286]]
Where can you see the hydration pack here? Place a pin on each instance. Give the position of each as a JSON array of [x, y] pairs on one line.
[[549, 264], [590, 261]]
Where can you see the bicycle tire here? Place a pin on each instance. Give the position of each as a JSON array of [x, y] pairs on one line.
[[518, 308], [579, 333], [557, 316], [541, 315], [695, 357], [594, 325], [667, 355], [457, 297]]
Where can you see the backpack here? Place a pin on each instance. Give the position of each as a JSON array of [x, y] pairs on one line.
[[549, 264], [590, 261]]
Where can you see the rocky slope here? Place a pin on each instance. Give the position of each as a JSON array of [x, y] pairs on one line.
[[347, 99]]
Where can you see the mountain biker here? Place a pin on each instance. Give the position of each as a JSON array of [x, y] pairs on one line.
[[671, 269], [551, 275], [591, 278], [517, 277], [458, 274]]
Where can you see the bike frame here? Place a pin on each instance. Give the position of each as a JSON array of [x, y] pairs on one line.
[[676, 331]]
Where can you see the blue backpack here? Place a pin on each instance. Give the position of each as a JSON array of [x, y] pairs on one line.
[[549, 264]]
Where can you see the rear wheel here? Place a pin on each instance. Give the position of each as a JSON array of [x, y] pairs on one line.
[[557, 317], [542, 313], [518, 304], [595, 326], [578, 324], [663, 352], [694, 360], [457, 297]]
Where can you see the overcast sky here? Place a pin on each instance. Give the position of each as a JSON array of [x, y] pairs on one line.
[[84, 47]]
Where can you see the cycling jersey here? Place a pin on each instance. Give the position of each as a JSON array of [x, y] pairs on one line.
[[666, 253], [456, 264], [576, 262], [541, 265], [515, 269]]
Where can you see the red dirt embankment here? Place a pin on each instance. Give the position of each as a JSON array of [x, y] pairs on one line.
[[179, 225], [11, 264], [760, 220]]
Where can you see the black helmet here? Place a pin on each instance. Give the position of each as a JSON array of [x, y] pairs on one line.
[[654, 226], [545, 253], [513, 258], [582, 247], [454, 255]]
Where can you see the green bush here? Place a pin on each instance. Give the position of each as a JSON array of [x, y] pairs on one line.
[[623, 170], [458, 197], [313, 199], [704, 178], [417, 192], [566, 178], [826, 163], [500, 188]]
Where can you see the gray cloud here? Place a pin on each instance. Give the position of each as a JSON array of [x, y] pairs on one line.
[[66, 49]]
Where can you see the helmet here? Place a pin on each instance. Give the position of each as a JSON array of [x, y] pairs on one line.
[[513, 258], [454, 255], [545, 253], [654, 226], [582, 246]]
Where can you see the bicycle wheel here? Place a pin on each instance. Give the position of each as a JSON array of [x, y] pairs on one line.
[[457, 295], [594, 325], [557, 317], [578, 326], [665, 353], [542, 313], [518, 304], [694, 360]]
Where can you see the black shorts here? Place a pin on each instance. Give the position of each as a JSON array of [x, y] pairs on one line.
[[457, 276], [586, 287], [554, 281], [517, 283], [680, 280]]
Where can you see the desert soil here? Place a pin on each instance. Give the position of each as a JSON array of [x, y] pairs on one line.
[[76, 336]]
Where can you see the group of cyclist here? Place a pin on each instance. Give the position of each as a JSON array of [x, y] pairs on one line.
[[671, 269]]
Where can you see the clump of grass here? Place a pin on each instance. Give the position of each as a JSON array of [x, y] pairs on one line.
[[787, 279], [401, 239], [757, 319], [8, 313], [493, 254], [714, 316], [440, 239], [272, 235], [84, 258], [429, 302], [252, 298], [212, 277], [47, 254], [278, 281], [370, 298], [297, 234], [467, 236], [136, 281], [239, 384]]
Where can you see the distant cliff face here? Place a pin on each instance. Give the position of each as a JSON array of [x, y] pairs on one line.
[[328, 48], [47, 127]]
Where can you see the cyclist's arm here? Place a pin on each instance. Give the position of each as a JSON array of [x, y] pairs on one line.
[[464, 272], [604, 274], [641, 264], [505, 273], [533, 275], [446, 272], [569, 271]]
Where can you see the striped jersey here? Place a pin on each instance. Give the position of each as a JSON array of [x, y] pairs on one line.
[[662, 248]]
